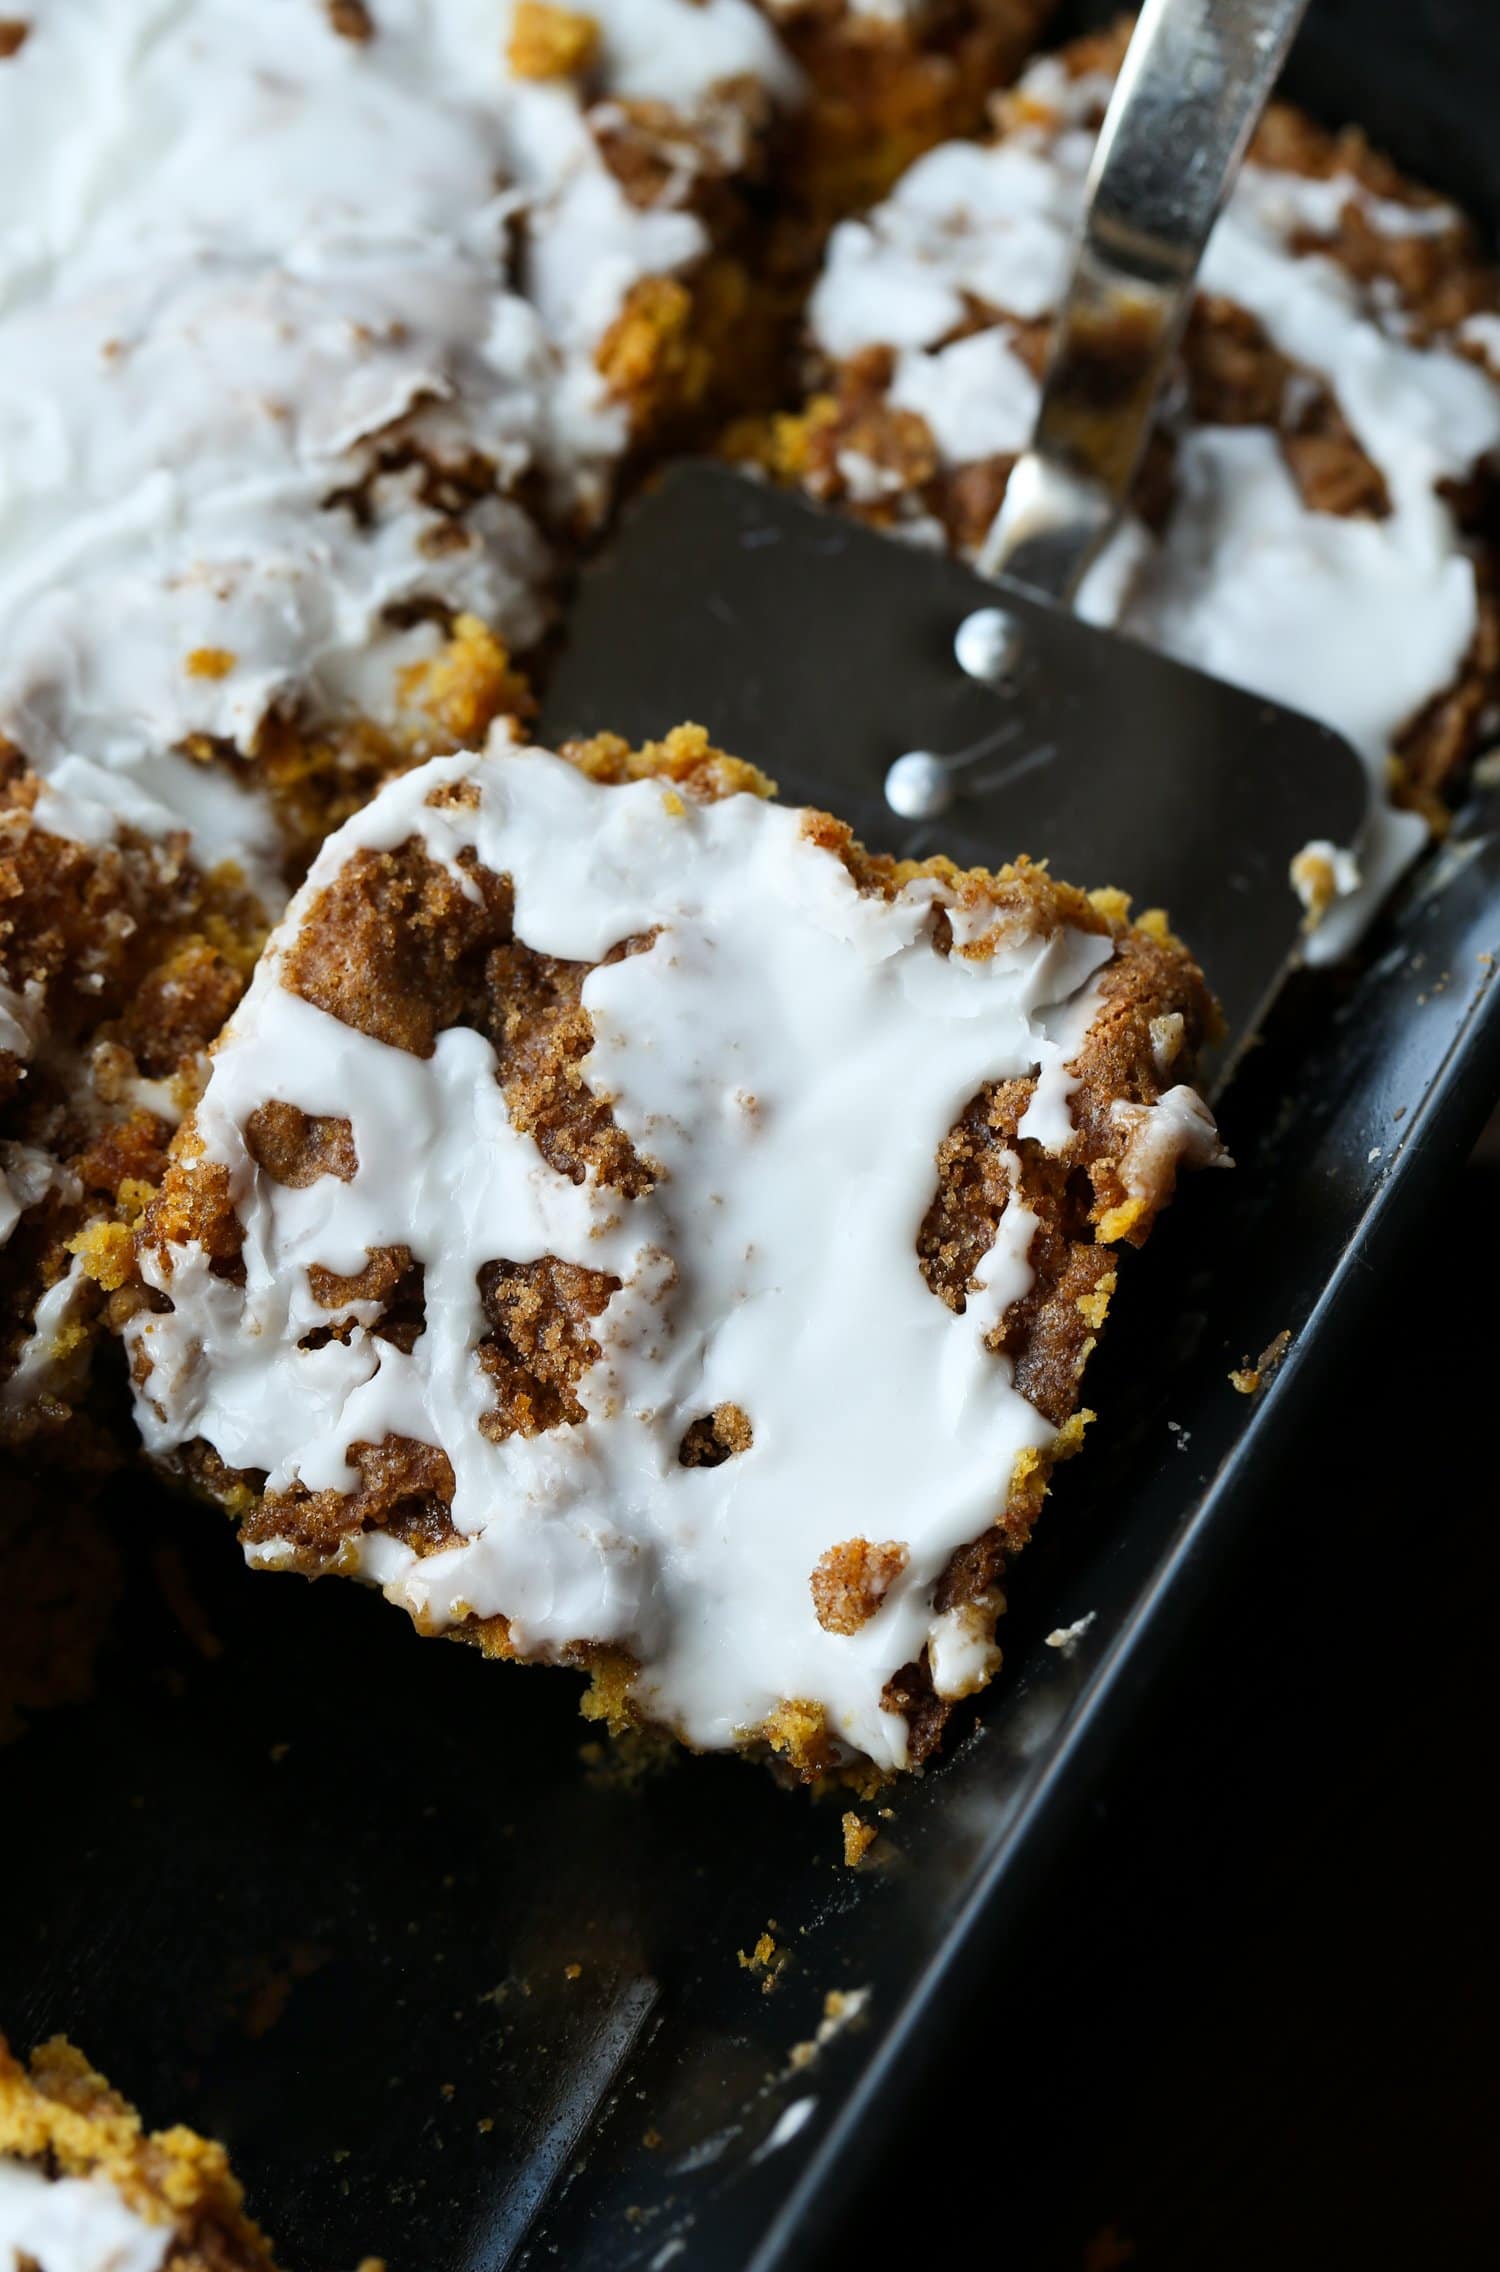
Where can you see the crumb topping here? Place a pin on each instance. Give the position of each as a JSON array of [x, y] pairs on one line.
[[548, 42], [852, 1580]]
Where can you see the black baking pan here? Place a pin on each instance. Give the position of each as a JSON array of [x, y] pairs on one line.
[[458, 1990]]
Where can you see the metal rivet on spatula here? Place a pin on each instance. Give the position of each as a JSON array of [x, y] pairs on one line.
[[987, 644], [919, 785]]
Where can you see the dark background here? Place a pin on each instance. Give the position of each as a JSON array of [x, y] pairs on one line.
[[1259, 2023]]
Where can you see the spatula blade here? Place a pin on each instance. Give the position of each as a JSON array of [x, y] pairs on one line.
[[822, 651]]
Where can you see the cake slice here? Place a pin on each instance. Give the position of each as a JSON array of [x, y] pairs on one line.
[[638, 1228], [84, 2187]]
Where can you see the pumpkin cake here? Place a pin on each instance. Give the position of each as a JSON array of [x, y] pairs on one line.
[[637, 1228], [325, 333]]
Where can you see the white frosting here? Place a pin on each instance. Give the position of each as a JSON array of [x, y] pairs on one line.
[[1358, 622], [1320, 867], [963, 1655], [245, 248], [791, 1053], [995, 223], [1065, 1638], [20, 1019], [651, 51], [51, 1357], [26, 1176], [1483, 331], [788, 2123], [73, 2224], [1177, 1130], [977, 396]]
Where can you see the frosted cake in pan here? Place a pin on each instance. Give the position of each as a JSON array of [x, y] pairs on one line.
[[84, 2187], [328, 335], [324, 333]]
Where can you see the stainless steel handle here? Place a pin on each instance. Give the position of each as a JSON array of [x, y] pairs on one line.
[[1195, 79]]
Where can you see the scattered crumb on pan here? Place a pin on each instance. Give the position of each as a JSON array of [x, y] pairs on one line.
[[1251, 1379]]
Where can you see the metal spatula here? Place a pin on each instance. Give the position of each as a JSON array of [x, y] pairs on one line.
[[933, 708]]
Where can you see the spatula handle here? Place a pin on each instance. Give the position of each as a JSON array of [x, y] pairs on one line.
[[1195, 79]]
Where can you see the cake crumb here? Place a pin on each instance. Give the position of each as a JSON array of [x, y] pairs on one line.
[[467, 685], [767, 1959], [852, 1580], [1065, 1638], [1322, 874], [842, 2007], [106, 1253], [351, 19], [1249, 1380], [548, 42], [859, 1837]]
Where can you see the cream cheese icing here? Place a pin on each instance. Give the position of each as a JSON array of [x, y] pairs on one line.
[[789, 1053], [54, 1355], [1357, 621], [252, 253], [26, 1176], [19, 1019], [73, 2224]]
